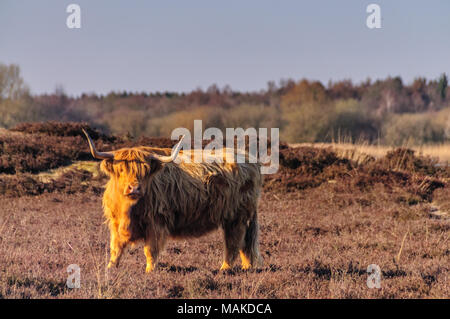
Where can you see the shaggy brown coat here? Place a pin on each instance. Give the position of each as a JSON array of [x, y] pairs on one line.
[[181, 200]]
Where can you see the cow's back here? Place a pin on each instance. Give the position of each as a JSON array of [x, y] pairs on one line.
[[190, 199]]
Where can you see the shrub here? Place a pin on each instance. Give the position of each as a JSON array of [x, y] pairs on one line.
[[47, 145], [406, 160], [62, 129], [70, 182], [414, 129]]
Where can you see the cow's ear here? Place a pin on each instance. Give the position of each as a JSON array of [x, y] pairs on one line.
[[155, 165], [107, 167]]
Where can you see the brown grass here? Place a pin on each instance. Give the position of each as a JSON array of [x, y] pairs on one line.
[[316, 244]]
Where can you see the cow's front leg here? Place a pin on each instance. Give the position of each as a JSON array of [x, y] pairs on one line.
[[150, 260], [115, 251], [117, 244], [152, 249]]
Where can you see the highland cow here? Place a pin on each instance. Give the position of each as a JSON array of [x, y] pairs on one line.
[[151, 198]]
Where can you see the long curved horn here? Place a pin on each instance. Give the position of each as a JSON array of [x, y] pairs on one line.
[[94, 152], [173, 155]]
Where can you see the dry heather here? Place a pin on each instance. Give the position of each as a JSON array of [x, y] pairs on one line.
[[324, 220], [361, 151]]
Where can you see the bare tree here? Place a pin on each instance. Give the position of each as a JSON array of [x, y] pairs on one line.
[[12, 85]]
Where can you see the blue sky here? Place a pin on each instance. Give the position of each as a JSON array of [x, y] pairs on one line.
[[181, 45]]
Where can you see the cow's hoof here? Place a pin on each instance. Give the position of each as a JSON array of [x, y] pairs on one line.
[[149, 268], [112, 264], [246, 266], [225, 266], [245, 261]]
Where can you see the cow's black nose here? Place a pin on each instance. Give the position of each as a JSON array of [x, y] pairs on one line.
[[134, 189]]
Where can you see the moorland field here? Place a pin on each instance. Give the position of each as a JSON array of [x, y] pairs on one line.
[[325, 216]]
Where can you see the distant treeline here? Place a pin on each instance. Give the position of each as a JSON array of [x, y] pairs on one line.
[[384, 111]]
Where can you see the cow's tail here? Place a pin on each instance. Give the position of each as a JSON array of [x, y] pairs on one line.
[[251, 245]]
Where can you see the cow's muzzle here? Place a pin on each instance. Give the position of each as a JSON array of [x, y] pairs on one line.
[[133, 192]]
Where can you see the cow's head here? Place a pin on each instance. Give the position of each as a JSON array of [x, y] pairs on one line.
[[130, 167]]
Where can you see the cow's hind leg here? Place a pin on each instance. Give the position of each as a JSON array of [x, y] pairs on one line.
[[250, 252], [234, 239]]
